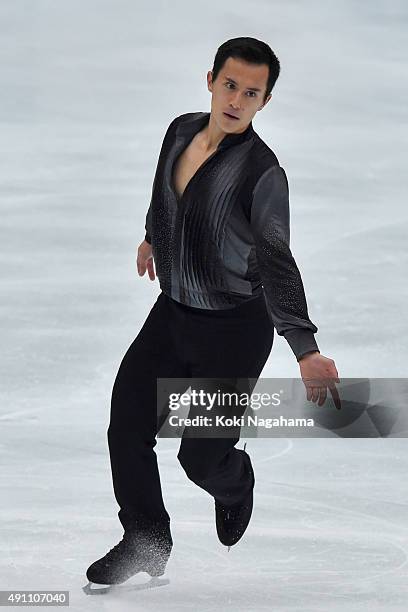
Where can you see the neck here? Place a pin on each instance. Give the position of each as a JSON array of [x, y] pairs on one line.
[[212, 135]]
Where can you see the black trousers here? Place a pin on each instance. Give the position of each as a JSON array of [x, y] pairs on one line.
[[178, 341]]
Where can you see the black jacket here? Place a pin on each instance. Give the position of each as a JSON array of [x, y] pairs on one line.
[[227, 239]]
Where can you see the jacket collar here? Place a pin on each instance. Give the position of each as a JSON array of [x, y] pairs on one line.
[[193, 124]]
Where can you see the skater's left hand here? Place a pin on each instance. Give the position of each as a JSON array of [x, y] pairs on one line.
[[319, 373]]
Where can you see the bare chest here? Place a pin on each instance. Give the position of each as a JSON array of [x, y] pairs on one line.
[[187, 165]]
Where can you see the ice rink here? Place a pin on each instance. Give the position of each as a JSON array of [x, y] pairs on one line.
[[87, 92]]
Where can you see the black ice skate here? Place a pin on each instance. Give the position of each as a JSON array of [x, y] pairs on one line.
[[136, 552], [232, 521]]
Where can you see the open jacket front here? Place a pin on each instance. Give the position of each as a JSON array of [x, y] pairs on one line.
[[227, 239]]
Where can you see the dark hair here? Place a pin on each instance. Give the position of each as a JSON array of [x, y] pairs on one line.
[[250, 50]]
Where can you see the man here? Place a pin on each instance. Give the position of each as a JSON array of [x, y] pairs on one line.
[[217, 231]]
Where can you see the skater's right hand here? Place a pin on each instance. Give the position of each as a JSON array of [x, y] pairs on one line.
[[319, 373], [145, 260]]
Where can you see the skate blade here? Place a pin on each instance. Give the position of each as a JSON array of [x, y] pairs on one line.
[[92, 589], [97, 589]]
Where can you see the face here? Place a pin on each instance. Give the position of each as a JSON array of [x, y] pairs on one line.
[[239, 89]]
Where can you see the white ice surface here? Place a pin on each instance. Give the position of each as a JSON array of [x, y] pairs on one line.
[[87, 91]]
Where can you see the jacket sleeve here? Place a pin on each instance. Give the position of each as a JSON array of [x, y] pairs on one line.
[[148, 222], [148, 225], [283, 287]]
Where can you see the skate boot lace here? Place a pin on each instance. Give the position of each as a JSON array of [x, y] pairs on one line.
[[118, 550]]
